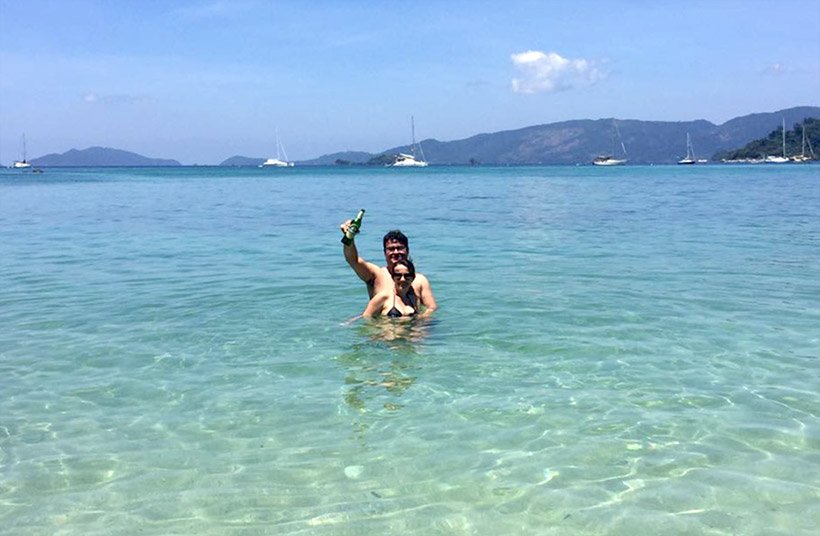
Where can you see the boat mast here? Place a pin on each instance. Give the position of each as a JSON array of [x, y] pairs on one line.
[[618, 134], [807, 141], [280, 149], [413, 136], [784, 137]]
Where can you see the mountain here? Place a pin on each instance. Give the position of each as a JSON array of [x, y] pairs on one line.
[[242, 161], [566, 142], [346, 157], [773, 143], [99, 156], [579, 141]]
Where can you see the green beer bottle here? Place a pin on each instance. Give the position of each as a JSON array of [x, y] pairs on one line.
[[353, 230]]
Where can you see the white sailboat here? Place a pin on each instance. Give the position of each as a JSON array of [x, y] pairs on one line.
[[690, 153], [779, 159], [22, 163], [280, 151], [609, 159], [411, 160], [803, 157]]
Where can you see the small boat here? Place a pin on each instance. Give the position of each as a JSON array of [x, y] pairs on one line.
[[690, 153], [22, 163], [277, 162], [609, 159], [410, 160], [772, 159]]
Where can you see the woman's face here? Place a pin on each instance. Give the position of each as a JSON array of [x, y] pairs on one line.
[[402, 277]]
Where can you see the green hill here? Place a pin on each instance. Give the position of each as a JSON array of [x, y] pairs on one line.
[[773, 143]]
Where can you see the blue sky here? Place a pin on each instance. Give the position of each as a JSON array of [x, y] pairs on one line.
[[200, 81]]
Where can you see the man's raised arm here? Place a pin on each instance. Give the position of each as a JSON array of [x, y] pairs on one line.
[[365, 270]]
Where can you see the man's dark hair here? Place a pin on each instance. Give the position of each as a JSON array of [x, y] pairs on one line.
[[396, 235]]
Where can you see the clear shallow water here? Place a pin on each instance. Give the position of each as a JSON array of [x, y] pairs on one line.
[[618, 351]]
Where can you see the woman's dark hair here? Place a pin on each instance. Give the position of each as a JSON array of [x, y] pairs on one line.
[[396, 235], [407, 263]]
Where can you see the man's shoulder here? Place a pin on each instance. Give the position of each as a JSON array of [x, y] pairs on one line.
[[373, 269], [381, 276]]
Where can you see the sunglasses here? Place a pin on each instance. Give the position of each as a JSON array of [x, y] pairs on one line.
[[408, 277]]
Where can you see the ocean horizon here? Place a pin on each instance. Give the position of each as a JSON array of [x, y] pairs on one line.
[[628, 350]]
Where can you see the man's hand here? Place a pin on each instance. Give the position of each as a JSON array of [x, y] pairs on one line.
[[345, 225]]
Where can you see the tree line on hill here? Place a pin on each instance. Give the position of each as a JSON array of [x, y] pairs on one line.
[[772, 144]]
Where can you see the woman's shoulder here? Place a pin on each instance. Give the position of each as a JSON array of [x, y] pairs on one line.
[[377, 304], [382, 296]]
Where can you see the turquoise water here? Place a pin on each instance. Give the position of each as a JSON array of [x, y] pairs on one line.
[[618, 351]]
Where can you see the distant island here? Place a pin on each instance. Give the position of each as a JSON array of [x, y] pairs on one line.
[[797, 145], [100, 156], [567, 142], [580, 141]]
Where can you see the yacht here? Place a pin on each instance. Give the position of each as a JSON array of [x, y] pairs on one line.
[[774, 159], [410, 160], [609, 159], [277, 162], [22, 163], [690, 153], [407, 160], [803, 157]]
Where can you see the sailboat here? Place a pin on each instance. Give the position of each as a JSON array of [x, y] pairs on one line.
[[22, 164], [803, 157], [609, 159], [280, 151], [410, 160], [690, 153], [779, 159]]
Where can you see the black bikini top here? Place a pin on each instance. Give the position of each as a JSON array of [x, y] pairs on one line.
[[395, 313]]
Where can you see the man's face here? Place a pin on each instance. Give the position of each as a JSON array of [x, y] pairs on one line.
[[394, 251]]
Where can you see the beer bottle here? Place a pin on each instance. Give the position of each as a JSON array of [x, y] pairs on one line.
[[353, 229]]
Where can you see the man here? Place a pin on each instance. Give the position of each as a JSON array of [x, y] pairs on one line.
[[379, 279]]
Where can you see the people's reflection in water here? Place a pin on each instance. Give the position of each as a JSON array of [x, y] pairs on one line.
[[383, 367]]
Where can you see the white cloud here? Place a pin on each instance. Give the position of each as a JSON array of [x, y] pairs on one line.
[[778, 69], [547, 72], [217, 9], [94, 98]]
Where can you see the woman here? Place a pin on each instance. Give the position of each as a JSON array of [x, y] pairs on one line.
[[401, 301]]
